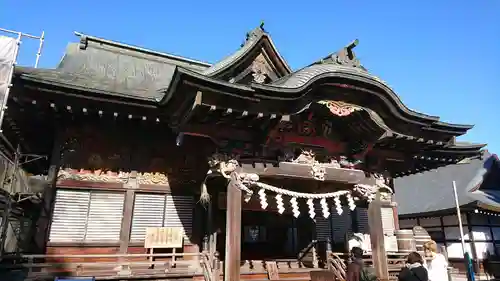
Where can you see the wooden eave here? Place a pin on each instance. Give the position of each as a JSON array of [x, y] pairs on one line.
[[72, 90], [273, 99], [439, 213], [433, 159], [242, 105]]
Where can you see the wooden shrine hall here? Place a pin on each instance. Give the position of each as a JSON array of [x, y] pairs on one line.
[[252, 161]]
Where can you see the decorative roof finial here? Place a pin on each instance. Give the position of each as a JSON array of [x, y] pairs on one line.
[[255, 34], [344, 57]]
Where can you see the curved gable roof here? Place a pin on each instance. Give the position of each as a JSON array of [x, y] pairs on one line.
[[108, 67], [256, 39]]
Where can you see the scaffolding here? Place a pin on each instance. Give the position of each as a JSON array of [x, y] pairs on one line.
[[8, 61]]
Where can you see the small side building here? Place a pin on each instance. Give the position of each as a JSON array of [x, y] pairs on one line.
[[426, 199]]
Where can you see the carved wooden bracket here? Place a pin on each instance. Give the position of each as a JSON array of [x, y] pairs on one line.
[[260, 69]]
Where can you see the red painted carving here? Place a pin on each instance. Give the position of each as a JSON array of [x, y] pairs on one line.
[[306, 128], [329, 145]]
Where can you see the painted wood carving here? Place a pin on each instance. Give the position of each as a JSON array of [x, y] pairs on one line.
[[235, 147], [260, 69], [339, 108], [308, 132], [108, 156], [109, 176]]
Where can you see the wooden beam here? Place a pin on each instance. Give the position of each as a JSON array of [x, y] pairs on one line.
[[303, 171], [191, 110], [379, 254], [233, 231]]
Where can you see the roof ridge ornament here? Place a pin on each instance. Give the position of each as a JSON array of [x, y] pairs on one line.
[[255, 34], [344, 57]]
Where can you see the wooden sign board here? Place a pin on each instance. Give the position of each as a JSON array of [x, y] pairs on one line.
[[164, 237], [272, 270], [391, 244], [322, 275]]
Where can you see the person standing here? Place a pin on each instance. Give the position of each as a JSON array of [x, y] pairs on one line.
[[356, 265], [414, 269], [356, 270], [438, 266]]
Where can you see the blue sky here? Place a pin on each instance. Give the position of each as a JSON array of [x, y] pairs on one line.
[[441, 57]]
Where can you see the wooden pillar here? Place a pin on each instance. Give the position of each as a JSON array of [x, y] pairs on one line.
[[394, 205], [379, 254], [212, 238], [233, 231], [127, 220], [49, 192], [128, 211]]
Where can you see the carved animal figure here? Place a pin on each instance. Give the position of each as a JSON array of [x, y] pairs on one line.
[[306, 157]]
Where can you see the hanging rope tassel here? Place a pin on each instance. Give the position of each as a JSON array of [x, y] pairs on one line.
[[204, 196]]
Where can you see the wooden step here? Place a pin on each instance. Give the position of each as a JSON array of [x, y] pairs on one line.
[[260, 276]]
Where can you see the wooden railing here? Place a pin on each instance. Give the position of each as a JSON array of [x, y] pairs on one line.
[[337, 263], [210, 265], [113, 266], [309, 255]]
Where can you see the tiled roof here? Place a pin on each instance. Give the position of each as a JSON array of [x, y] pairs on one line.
[[432, 190]]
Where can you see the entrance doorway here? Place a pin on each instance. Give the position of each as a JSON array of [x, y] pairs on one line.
[[269, 235], [266, 234]]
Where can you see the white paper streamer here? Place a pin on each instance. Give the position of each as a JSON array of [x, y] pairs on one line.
[[279, 203], [312, 212], [295, 207], [350, 202], [338, 205], [324, 208], [263, 199]]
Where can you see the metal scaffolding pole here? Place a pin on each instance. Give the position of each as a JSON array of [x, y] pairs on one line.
[[20, 35], [9, 80], [39, 52], [40, 38]]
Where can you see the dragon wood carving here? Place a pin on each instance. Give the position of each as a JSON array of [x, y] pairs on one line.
[[120, 177], [227, 166], [317, 170], [369, 191]]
